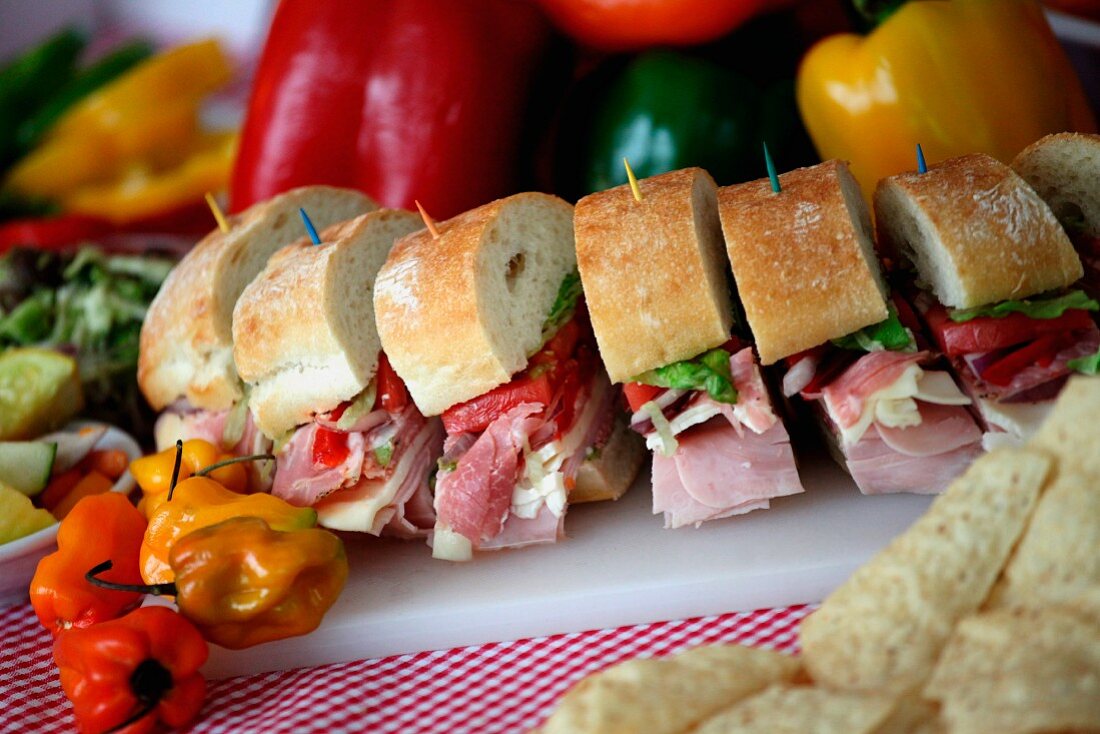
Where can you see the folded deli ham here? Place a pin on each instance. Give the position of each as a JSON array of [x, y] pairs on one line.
[[508, 485], [896, 424], [713, 460], [373, 481]]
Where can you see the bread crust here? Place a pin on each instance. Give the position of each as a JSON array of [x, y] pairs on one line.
[[186, 348], [654, 277], [300, 326], [432, 316], [800, 258], [982, 226], [1063, 168]]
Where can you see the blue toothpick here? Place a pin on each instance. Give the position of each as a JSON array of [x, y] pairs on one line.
[[922, 167], [309, 227], [771, 170]]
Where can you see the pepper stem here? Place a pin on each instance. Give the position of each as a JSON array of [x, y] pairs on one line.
[[92, 577], [141, 713], [176, 469], [235, 460], [149, 682]]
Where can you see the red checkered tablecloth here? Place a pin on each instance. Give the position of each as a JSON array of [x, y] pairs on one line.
[[499, 688]]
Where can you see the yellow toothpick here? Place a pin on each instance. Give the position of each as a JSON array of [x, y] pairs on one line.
[[632, 179], [216, 210], [428, 222]]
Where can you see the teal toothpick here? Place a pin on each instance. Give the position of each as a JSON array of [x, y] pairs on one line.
[[309, 227], [922, 166], [771, 170]]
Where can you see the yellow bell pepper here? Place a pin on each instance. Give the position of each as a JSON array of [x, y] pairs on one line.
[[153, 473], [964, 76], [199, 502]]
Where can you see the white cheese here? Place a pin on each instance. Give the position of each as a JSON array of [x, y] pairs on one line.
[[1018, 420], [895, 406]]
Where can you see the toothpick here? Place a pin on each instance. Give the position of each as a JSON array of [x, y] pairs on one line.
[[632, 179], [309, 227], [771, 170], [428, 222], [216, 210], [922, 167]]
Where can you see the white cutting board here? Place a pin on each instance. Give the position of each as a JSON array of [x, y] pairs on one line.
[[618, 566]]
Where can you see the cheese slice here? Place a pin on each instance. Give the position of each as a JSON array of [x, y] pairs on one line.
[[895, 406]]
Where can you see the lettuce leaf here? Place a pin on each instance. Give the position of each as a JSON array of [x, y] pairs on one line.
[[1089, 365], [564, 305], [709, 371], [1036, 308], [889, 335]]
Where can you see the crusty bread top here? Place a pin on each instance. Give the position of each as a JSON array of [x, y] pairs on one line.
[[459, 314], [803, 259], [653, 271], [304, 332], [1064, 169], [976, 232], [186, 341]]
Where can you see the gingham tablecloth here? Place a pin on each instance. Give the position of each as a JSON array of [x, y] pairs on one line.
[[499, 688]]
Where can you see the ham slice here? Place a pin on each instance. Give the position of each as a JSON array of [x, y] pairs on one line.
[[717, 473], [473, 500], [545, 527], [301, 482], [878, 468], [874, 371], [942, 429]]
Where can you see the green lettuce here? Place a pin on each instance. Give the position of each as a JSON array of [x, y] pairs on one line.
[[709, 371], [1036, 308], [384, 453], [889, 335], [1089, 365], [564, 305]]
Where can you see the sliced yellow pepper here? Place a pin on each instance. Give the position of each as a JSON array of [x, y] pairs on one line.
[[964, 76]]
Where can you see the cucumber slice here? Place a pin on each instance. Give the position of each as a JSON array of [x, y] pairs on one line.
[[25, 466], [39, 391]]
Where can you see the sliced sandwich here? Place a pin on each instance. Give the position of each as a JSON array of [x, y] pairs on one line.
[[1064, 169], [657, 288], [486, 324], [994, 273], [807, 276], [348, 441], [185, 365]]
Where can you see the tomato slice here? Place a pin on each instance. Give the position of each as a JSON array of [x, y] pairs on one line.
[[986, 333], [330, 448], [393, 396], [638, 394], [476, 415], [1042, 351]]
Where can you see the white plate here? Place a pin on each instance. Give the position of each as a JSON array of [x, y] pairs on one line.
[[19, 558]]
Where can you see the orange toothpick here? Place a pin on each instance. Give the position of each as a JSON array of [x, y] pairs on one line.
[[428, 222], [219, 216], [633, 180]]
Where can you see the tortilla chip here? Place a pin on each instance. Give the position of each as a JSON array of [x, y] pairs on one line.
[[1020, 671], [669, 695], [803, 710], [1071, 432], [1058, 560], [884, 627]]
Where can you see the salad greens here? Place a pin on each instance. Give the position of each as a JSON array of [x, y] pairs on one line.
[[1050, 307], [90, 305], [1089, 365], [564, 305], [709, 371], [889, 335]]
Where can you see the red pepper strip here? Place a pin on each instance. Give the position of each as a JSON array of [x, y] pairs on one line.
[[1042, 351], [133, 671], [392, 394], [100, 526], [984, 334], [428, 105], [52, 233], [330, 448]]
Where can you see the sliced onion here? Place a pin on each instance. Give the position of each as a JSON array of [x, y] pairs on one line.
[[73, 446]]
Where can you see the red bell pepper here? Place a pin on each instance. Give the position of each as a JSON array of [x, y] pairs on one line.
[[127, 674], [402, 99], [393, 396], [52, 233]]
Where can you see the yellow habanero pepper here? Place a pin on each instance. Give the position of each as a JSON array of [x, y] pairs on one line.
[[200, 502], [153, 473], [962, 76]]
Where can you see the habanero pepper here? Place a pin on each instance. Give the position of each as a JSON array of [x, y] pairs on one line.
[[199, 502], [243, 583], [153, 473], [98, 527], [444, 128], [128, 674], [959, 77]]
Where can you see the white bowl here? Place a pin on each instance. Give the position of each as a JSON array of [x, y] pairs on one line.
[[19, 558]]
